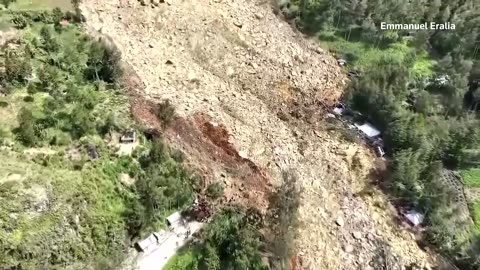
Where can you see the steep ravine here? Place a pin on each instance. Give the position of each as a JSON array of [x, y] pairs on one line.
[[242, 66]]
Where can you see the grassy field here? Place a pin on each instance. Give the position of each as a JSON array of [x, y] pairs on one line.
[[475, 209], [471, 178], [367, 56], [30, 5], [64, 5]]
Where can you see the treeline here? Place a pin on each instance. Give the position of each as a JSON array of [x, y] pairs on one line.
[[359, 21], [430, 122]]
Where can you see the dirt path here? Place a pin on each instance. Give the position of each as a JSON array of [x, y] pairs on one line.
[[245, 68]]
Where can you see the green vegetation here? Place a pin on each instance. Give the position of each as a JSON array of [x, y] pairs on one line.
[[61, 202], [421, 89], [215, 190], [476, 212], [187, 258], [162, 186], [471, 177], [165, 112], [29, 5], [364, 57], [230, 241]]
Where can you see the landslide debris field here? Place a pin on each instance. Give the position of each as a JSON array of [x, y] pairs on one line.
[[250, 92]]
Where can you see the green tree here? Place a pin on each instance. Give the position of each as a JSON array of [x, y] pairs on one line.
[[26, 128], [103, 62], [7, 3], [407, 176], [17, 69], [82, 121], [210, 257], [232, 239], [165, 112], [50, 41]]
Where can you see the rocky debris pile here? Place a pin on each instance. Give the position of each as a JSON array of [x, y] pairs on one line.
[[245, 68], [155, 2]]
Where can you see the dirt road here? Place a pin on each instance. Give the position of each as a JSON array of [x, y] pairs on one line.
[[244, 67]]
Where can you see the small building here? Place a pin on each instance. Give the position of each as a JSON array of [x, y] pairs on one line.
[[339, 109], [368, 130], [415, 218], [174, 220], [342, 62], [129, 137], [147, 243]]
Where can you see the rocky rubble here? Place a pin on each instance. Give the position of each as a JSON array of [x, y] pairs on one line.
[[155, 2], [238, 63]]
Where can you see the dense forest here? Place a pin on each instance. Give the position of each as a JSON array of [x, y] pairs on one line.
[[421, 87]]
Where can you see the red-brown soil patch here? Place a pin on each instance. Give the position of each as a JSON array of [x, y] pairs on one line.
[[207, 147]]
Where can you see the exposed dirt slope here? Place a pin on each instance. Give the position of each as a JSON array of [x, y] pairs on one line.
[[237, 66]]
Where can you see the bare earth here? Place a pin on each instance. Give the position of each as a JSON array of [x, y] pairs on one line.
[[239, 65]]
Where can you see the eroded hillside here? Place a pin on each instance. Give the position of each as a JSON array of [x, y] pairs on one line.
[[237, 66]]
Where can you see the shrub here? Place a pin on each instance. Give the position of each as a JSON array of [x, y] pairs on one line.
[[178, 155], [350, 57], [7, 3], [32, 88], [158, 153], [20, 21], [215, 190], [17, 70], [165, 113], [230, 241], [26, 129], [3, 104], [28, 99], [61, 138], [50, 42], [82, 121]]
